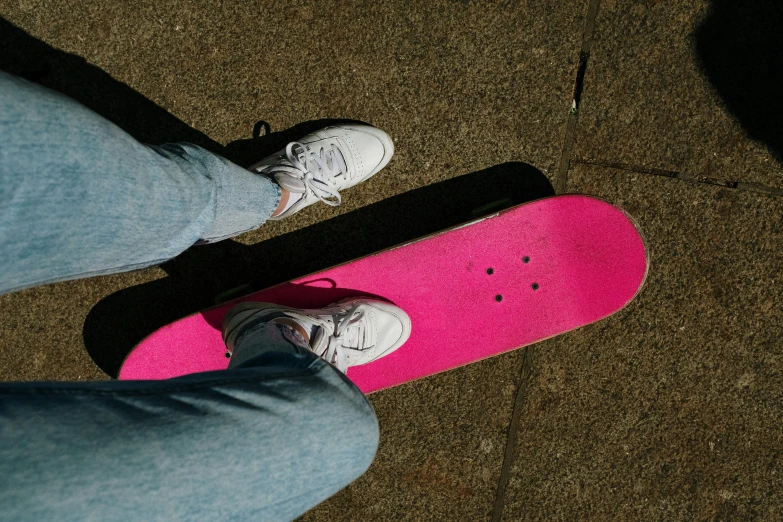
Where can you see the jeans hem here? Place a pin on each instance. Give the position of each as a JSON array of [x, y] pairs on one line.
[[70, 388], [82, 275]]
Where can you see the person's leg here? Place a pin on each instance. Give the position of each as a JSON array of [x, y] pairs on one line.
[[80, 197], [268, 439]]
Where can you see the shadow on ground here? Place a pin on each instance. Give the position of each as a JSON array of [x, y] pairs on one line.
[[34, 60], [30, 58], [741, 51], [117, 323]]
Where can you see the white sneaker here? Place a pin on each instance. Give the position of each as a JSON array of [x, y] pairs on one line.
[[354, 331], [325, 162]]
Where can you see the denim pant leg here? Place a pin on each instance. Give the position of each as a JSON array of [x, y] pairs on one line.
[[80, 197], [265, 440]]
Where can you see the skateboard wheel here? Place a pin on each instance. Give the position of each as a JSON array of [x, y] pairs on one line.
[[231, 293], [491, 208]]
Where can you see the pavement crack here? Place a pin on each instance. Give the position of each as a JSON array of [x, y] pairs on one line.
[[573, 115], [630, 168], [758, 187], [580, 81], [509, 456], [704, 180]]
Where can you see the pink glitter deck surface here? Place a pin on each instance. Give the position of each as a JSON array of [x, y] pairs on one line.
[[556, 264]]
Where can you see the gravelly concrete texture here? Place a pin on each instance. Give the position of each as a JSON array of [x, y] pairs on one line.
[[442, 445], [669, 410], [649, 102], [458, 86]]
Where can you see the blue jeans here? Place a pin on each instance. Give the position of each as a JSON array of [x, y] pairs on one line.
[[267, 439]]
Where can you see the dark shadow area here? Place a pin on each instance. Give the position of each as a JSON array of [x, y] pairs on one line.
[[34, 60], [317, 293], [740, 46], [26, 56], [120, 321]]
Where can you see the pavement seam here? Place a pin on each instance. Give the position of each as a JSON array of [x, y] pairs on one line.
[[704, 180], [573, 114], [509, 454]]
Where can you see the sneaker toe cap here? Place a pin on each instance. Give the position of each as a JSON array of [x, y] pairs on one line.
[[393, 326], [371, 148]]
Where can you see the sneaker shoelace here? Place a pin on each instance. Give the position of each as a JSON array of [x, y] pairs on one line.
[[307, 169], [336, 338]]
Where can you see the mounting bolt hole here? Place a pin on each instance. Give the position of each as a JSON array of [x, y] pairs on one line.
[[534, 286], [526, 259], [490, 271], [498, 298]]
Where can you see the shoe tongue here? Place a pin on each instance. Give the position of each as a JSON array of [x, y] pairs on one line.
[[326, 162], [290, 183]]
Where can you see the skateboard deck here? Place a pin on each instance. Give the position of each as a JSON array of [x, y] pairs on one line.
[[489, 286]]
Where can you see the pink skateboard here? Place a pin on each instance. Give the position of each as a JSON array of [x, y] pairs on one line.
[[492, 285]]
